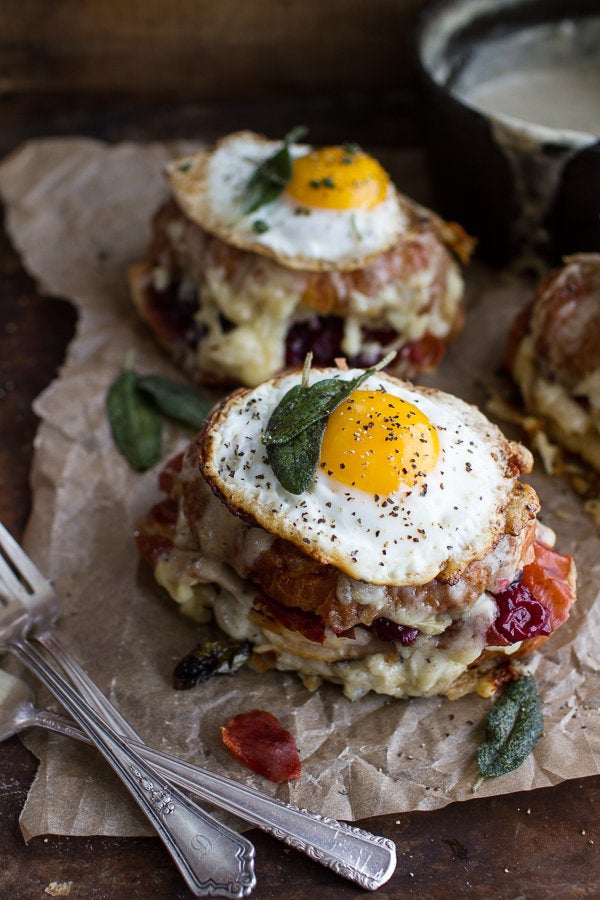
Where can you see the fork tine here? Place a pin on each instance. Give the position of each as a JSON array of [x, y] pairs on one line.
[[10, 585], [13, 559]]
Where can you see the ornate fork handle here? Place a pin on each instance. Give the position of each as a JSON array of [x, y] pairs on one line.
[[362, 857], [271, 815], [172, 814], [355, 854]]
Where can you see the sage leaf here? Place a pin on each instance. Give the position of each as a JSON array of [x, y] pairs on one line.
[[135, 424], [295, 429], [282, 415], [270, 178], [211, 658], [300, 409], [302, 405], [175, 399], [514, 725], [294, 462]]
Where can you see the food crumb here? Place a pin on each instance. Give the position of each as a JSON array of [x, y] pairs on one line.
[[507, 870], [59, 888]]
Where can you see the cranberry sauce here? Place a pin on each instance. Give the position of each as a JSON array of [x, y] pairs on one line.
[[386, 630], [520, 617]]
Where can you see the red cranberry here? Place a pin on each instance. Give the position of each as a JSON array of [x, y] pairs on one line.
[[386, 630], [322, 335], [173, 314], [520, 616]]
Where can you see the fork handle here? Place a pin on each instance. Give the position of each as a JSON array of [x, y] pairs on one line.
[[178, 822], [362, 857]]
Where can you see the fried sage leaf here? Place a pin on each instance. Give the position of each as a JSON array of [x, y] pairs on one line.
[[294, 432], [211, 658], [135, 423], [514, 725], [294, 462], [304, 405], [175, 399], [271, 176]]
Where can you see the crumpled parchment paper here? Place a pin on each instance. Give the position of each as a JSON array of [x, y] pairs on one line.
[[78, 211]]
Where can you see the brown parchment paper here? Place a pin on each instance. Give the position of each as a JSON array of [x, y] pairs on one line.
[[78, 211]]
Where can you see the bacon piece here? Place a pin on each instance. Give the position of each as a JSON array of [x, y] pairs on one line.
[[424, 354], [260, 742], [308, 624], [152, 547], [168, 477], [154, 536], [549, 578]]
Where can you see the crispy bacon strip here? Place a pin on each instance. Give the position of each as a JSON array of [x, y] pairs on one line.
[[549, 578], [260, 742]]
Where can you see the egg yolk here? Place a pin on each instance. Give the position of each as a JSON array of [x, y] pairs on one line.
[[338, 178], [379, 443]]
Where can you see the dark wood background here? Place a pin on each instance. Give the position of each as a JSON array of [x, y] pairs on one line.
[[187, 68], [209, 49]]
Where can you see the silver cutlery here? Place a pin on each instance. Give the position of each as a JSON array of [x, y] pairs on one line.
[[351, 852], [214, 860]]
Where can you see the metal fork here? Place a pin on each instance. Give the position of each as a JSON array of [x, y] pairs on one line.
[[358, 855], [213, 859]]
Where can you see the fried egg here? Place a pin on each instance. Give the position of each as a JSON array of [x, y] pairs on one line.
[[410, 481], [338, 210]]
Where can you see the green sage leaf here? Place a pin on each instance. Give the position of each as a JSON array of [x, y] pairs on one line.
[[175, 399], [294, 462], [302, 406], [300, 409], [135, 424], [514, 725], [270, 178], [295, 429]]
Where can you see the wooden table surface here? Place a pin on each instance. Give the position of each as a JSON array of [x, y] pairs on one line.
[[530, 845]]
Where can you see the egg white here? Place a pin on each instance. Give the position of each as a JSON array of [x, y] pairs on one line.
[[407, 539], [209, 187]]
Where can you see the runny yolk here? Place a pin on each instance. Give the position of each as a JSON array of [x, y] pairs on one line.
[[338, 178], [379, 443]]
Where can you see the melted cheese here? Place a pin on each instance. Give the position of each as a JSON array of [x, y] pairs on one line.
[[252, 347], [574, 426], [424, 669], [427, 667], [203, 582], [244, 317]]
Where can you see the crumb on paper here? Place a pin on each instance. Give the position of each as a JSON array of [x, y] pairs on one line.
[[550, 454], [59, 888], [583, 479]]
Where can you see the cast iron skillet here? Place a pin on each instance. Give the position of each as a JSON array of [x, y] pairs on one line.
[[472, 178]]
